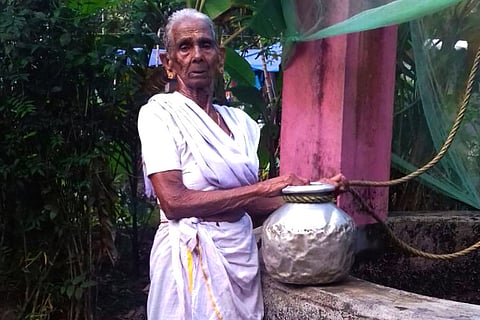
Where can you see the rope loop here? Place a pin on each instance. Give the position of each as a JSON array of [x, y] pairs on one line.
[[309, 198], [446, 145], [405, 246]]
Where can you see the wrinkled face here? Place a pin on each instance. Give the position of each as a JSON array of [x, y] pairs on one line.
[[194, 57]]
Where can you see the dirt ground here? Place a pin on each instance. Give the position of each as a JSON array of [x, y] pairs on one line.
[[122, 294]]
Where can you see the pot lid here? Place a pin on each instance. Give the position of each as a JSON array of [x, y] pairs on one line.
[[313, 187]]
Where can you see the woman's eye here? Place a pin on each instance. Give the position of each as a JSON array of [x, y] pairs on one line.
[[183, 47]]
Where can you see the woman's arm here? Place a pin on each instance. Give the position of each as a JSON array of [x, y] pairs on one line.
[[263, 206], [178, 201], [266, 205]]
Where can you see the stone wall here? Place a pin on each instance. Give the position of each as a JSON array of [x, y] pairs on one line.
[[440, 232]]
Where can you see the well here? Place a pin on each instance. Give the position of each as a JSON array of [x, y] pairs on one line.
[[394, 285]]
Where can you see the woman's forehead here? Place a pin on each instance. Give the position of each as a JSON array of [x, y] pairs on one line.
[[191, 27]]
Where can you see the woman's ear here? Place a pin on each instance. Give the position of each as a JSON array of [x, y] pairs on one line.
[[167, 65]]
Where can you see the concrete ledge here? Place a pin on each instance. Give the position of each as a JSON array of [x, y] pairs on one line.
[[357, 299], [383, 263]]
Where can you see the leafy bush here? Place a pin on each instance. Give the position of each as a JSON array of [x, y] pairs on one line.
[[68, 106]]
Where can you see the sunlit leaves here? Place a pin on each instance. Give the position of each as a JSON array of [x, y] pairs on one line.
[[214, 8], [238, 68], [268, 20]]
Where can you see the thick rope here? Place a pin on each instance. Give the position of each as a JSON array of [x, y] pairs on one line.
[[456, 125], [324, 198], [446, 144], [406, 247], [308, 198]]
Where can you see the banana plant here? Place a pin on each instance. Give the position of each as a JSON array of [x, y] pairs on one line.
[[262, 22]]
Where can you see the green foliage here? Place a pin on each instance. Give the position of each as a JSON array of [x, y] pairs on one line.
[[70, 159], [70, 164], [238, 68], [74, 288], [430, 84], [68, 106], [214, 8], [241, 24], [268, 19]]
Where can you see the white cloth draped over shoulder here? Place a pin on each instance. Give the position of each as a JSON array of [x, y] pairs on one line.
[[225, 162], [206, 270]]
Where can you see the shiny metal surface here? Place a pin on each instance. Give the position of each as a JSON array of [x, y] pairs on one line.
[[308, 243], [313, 187]]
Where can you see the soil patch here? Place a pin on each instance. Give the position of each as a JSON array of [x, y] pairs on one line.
[[123, 288]]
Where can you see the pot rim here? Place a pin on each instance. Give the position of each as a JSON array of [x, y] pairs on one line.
[[312, 188]]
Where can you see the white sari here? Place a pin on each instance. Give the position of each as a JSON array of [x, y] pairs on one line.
[[207, 270]]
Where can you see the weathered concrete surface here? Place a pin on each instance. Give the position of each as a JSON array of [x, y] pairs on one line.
[[334, 116], [440, 232], [379, 261], [357, 299]]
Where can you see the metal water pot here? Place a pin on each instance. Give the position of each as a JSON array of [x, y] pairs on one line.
[[308, 240]]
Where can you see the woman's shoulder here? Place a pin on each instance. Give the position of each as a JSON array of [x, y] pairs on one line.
[[155, 101], [159, 98], [153, 107]]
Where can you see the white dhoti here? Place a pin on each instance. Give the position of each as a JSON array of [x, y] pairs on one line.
[[202, 270], [210, 273]]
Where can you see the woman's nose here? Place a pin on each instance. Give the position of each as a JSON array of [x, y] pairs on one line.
[[197, 52]]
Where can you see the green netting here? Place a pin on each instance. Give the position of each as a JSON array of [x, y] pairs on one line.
[[436, 51], [444, 46], [361, 15]]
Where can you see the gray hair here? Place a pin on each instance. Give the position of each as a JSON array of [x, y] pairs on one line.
[[181, 15]]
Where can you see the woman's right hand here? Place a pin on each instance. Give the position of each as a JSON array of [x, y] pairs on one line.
[[273, 187]]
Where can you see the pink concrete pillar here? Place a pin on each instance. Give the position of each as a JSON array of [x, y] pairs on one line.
[[337, 113]]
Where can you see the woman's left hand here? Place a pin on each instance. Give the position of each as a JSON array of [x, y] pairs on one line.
[[338, 181]]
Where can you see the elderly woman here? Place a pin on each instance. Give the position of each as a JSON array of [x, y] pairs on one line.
[[201, 159]]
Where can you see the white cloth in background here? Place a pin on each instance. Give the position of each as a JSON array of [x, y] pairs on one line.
[[202, 270]]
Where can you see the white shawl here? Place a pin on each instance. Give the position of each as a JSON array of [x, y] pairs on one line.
[[224, 162], [215, 268]]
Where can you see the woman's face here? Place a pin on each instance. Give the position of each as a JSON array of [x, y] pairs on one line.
[[194, 56]]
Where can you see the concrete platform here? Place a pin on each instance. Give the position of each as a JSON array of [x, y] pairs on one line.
[[357, 299], [383, 263]]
